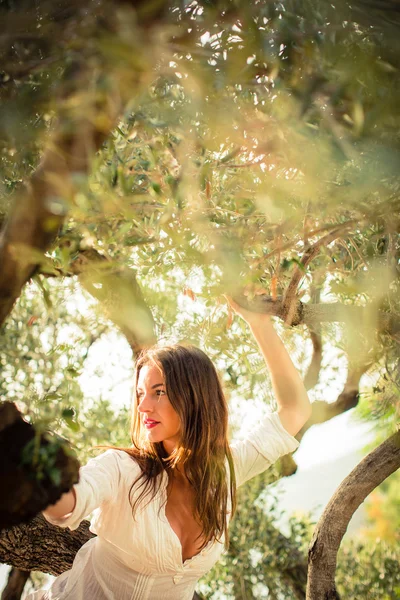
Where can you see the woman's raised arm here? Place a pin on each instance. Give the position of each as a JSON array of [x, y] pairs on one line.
[[294, 407]]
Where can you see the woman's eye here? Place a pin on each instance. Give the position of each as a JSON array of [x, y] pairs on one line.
[[160, 393]]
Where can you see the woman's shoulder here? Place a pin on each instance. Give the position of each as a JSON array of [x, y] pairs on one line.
[[117, 459]]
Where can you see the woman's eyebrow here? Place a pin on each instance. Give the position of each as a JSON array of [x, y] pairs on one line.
[[153, 387]]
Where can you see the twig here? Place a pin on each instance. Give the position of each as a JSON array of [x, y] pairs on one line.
[[308, 256]]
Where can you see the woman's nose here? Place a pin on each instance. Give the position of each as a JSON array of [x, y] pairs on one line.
[[144, 404]]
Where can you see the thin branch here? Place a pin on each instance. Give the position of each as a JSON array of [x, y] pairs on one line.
[[358, 254], [253, 163], [343, 244], [292, 243], [309, 255], [312, 375]]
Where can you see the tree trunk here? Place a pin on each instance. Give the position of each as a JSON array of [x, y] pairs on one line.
[[366, 476], [15, 584]]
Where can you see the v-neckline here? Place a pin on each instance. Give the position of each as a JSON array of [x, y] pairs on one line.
[[168, 525]]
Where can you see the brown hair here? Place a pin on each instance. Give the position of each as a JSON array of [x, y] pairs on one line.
[[195, 392]]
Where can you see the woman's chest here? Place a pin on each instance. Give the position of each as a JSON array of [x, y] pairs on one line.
[[151, 543], [179, 512]]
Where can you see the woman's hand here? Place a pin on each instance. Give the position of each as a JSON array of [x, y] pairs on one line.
[[253, 319], [63, 507]]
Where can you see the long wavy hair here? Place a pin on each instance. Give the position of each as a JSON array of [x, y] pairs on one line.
[[195, 392]]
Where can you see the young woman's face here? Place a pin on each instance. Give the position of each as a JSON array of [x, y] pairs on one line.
[[159, 419]]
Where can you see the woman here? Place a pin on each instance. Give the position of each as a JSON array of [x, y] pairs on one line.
[[163, 506]]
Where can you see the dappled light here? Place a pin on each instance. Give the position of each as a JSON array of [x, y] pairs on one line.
[[156, 157]]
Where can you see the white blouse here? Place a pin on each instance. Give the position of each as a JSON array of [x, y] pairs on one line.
[[141, 558]]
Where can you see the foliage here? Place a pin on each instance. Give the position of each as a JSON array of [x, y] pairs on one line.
[[382, 508], [44, 347], [255, 130], [369, 570], [260, 558]]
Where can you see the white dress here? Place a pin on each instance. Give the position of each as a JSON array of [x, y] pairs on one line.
[[141, 558]]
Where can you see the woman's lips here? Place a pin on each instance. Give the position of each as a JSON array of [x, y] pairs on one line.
[[149, 424]]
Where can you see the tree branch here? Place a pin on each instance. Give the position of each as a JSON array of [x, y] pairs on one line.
[[312, 375], [40, 546], [289, 300], [366, 476], [117, 289], [87, 115], [35, 468], [313, 315]]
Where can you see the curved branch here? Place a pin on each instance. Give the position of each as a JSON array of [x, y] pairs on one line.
[[366, 476], [38, 214], [105, 280], [40, 546]]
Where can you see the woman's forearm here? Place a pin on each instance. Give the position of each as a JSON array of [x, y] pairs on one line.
[[63, 507], [289, 390], [293, 404]]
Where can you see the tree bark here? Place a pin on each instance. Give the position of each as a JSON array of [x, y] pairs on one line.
[[40, 546], [313, 315], [15, 584], [366, 476]]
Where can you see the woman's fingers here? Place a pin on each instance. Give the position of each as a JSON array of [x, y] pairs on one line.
[[234, 305]]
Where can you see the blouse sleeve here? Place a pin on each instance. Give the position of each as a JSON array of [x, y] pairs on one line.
[[98, 483], [267, 442]]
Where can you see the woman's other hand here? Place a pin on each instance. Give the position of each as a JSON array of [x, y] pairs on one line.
[[63, 507]]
